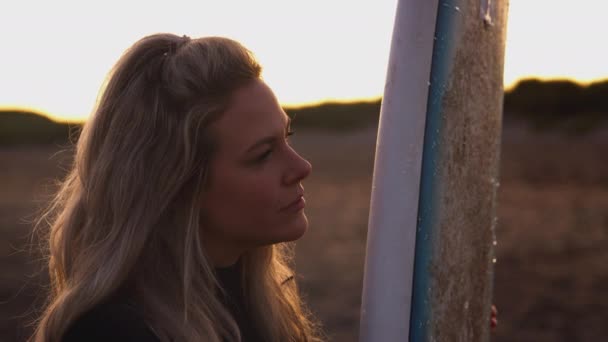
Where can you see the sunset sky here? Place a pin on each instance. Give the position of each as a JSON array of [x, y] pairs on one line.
[[55, 54]]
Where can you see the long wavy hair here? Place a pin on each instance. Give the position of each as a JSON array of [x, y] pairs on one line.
[[127, 216]]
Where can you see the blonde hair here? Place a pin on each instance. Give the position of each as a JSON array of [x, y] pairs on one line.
[[127, 215]]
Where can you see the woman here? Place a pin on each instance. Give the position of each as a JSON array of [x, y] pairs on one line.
[[172, 222]]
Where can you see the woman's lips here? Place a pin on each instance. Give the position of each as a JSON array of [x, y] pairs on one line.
[[296, 205]]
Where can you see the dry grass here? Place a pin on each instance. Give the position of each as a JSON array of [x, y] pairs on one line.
[[552, 233]]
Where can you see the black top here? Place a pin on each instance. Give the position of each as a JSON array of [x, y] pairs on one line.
[[117, 320], [229, 278], [114, 320]]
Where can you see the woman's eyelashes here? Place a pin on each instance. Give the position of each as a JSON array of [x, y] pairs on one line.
[[264, 156]]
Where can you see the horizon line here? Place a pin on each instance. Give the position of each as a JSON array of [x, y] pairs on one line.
[[299, 105], [285, 105]]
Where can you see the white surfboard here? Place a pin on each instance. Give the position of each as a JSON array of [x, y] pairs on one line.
[[429, 262]]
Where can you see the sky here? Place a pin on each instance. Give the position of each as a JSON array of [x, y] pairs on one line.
[[55, 54]]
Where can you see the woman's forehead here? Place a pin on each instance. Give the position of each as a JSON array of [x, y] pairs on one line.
[[254, 113]]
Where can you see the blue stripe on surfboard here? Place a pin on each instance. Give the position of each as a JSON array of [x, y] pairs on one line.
[[441, 64]]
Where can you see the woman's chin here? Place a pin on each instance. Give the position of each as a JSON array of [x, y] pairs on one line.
[[292, 231]]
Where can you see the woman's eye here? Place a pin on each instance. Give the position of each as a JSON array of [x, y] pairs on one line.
[[264, 156]]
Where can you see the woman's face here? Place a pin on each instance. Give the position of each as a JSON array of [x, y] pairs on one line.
[[255, 178]]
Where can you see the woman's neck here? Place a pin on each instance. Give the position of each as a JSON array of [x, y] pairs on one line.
[[222, 253]]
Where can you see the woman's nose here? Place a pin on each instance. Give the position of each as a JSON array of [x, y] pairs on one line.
[[299, 169]]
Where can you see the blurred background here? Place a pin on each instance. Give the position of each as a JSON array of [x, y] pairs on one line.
[[327, 63]]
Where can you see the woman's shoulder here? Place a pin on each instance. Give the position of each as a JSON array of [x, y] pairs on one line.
[[114, 320]]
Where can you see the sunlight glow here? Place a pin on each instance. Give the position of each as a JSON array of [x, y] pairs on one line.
[[57, 54], [556, 39]]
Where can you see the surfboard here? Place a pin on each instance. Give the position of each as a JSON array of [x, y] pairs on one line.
[[431, 232]]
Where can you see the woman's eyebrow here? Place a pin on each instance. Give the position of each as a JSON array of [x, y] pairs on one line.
[[266, 140]]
